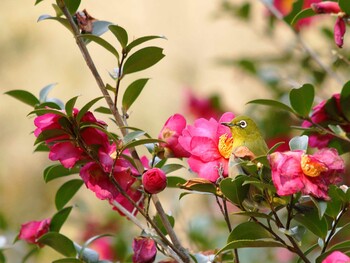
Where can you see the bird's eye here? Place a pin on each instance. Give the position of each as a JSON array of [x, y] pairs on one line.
[[243, 124]]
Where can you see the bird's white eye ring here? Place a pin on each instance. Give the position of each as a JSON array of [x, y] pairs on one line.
[[243, 124]]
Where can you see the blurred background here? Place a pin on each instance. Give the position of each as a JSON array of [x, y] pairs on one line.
[[214, 50]]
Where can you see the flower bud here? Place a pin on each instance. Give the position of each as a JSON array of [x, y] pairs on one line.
[[145, 250], [33, 230], [339, 31], [326, 7], [154, 181]]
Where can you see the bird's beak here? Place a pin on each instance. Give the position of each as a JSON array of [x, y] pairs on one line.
[[227, 124]]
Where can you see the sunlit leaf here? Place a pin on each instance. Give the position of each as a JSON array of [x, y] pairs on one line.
[[143, 59], [99, 27], [302, 99], [45, 91], [120, 33], [58, 242], [66, 192], [132, 92], [24, 96], [59, 218], [299, 143], [132, 136]]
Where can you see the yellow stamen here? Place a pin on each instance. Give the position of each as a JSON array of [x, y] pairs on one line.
[[113, 155], [310, 167], [167, 133], [225, 146]]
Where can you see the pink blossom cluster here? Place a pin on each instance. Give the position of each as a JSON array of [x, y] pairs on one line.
[[321, 117]]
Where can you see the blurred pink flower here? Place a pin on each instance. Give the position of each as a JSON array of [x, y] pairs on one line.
[[170, 133], [286, 6], [336, 257], [145, 250], [339, 31], [154, 180], [209, 146], [201, 107], [296, 171], [33, 230], [326, 7]]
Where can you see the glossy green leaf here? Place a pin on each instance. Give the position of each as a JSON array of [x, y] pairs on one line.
[[250, 243], [68, 260], [310, 219], [24, 96], [174, 181], [58, 242], [48, 134], [272, 103], [133, 136], [140, 142], [87, 254], [253, 214], [44, 111], [142, 59], [344, 6], [61, 20], [56, 171], [103, 110], [59, 218], [296, 8], [234, 190], [45, 91], [86, 107], [72, 5], [308, 12], [52, 103], [172, 167], [332, 109], [70, 105], [120, 33], [159, 223], [248, 230], [100, 41], [132, 92], [345, 100], [302, 99], [66, 192], [199, 185], [42, 147], [38, 1], [299, 143], [140, 41]]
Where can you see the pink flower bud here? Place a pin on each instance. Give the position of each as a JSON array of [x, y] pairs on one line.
[[339, 31], [154, 180], [145, 250], [336, 257], [326, 7], [33, 230]]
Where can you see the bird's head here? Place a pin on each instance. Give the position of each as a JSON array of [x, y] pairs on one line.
[[242, 126]]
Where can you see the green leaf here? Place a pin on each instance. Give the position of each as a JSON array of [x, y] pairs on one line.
[[345, 100], [38, 1], [44, 111], [68, 260], [70, 105], [45, 91], [199, 185], [42, 147], [253, 214], [310, 219], [344, 6], [52, 103], [58, 242], [100, 41], [342, 246], [234, 190], [72, 6], [142, 59], [66, 192], [159, 223], [140, 142], [59, 218], [56, 171], [48, 134], [120, 33], [103, 110], [140, 41], [302, 99], [299, 143], [250, 243], [248, 230], [61, 20], [174, 181], [100, 27], [303, 14], [297, 7], [24, 96], [132, 92], [272, 103], [85, 109], [172, 167], [133, 136]]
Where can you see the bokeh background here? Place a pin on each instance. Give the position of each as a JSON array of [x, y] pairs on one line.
[[32, 55]]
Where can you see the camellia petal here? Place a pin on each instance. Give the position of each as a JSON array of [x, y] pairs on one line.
[[65, 152]]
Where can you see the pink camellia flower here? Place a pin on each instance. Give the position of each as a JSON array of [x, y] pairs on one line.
[[336, 257], [326, 7], [154, 180], [170, 133], [286, 6], [209, 145], [145, 250], [296, 171], [33, 230], [339, 31]]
